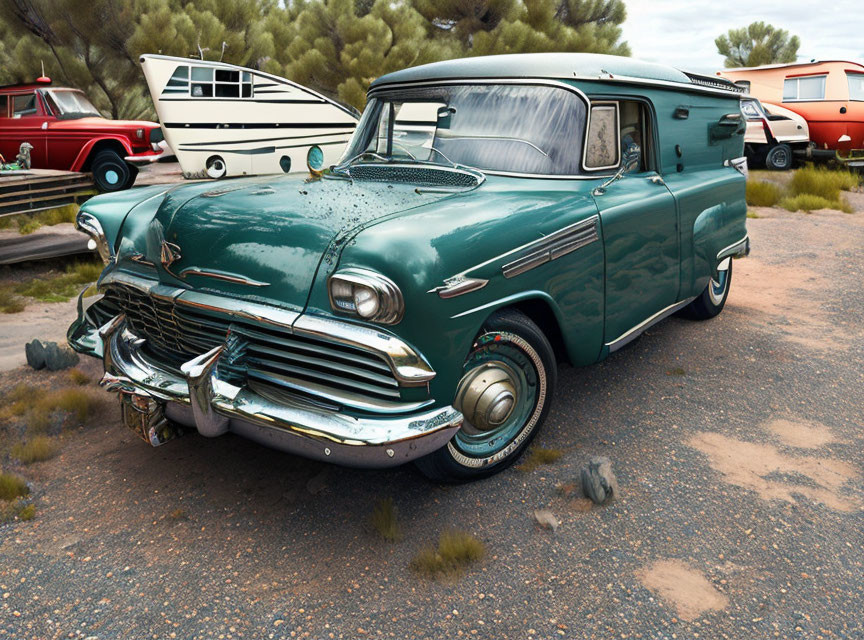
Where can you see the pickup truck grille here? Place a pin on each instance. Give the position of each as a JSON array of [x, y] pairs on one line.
[[313, 369]]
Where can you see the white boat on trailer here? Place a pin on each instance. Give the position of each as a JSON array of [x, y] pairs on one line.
[[224, 120]]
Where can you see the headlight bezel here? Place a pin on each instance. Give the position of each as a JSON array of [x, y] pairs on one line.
[[390, 303], [89, 224]]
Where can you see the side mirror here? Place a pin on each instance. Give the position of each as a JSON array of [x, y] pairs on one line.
[[632, 157], [630, 160]]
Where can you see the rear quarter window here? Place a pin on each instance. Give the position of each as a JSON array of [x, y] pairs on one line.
[[4, 105]]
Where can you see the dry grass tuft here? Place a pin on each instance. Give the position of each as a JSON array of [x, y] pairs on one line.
[[823, 182], [76, 376], [455, 552], [810, 202], [385, 521], [763, 194], [12, 487], [37, 449], [29, 222], [10, 302], [37, 408], [16, 509], [539, 456], [676, 371], [27, 512], [752, 214], [63, 287]]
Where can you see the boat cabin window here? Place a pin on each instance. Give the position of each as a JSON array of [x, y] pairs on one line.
[[856, 86], [24, 104], [207, 82], [613, 128], [804, 88]]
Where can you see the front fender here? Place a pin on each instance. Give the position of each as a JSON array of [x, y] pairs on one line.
[[81, 159]]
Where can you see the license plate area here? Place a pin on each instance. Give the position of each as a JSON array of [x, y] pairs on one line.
[[146, 417]]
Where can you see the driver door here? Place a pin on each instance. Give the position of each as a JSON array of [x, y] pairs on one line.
[[639, 219]]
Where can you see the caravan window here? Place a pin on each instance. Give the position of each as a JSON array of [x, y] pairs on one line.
[[805, 88], [856, 85], [207, 82]]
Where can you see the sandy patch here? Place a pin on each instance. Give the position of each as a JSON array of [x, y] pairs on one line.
[[802, 435], [683, 587], [755, 466]]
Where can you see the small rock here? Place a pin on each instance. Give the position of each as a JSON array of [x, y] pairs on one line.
[[546, 519], [49, 355], [598, 481]]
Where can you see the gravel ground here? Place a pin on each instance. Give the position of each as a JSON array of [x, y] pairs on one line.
[[736, 442]]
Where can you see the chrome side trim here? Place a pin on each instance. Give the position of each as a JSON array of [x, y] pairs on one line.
[[457, 286], [220, 275], [554, 246], [736, 249], [633, 333]]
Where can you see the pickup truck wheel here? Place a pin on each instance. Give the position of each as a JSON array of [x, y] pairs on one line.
[[133, 173], [110, 171], [712, 300], [779, 158], [504, 394]]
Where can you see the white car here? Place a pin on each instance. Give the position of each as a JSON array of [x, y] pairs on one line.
[[774, 135]]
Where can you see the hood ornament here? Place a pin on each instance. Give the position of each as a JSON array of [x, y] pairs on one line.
[[170, 254]]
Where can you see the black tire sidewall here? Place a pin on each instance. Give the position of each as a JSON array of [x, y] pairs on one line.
[[440, 465], [770, 156], [105, 161], [703, 307]]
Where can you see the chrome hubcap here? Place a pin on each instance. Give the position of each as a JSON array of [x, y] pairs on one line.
[[486, 396]]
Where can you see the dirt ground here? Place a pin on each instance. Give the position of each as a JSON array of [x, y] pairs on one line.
[[737, 444]]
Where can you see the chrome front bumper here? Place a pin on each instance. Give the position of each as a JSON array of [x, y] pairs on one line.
[[199, 399]]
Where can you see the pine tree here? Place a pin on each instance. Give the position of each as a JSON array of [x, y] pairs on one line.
[[757, 44]]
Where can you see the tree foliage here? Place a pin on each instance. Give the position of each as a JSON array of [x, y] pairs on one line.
[[756, 45], [335, 46]]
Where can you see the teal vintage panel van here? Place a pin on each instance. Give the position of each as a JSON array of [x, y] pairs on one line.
[[490, 218]]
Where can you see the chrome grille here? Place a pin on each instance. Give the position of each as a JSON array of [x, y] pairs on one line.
[[308, 367]]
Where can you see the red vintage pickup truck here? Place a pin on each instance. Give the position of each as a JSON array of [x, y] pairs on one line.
[[68, 133]]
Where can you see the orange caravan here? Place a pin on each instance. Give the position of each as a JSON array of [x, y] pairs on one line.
[[828, 94]]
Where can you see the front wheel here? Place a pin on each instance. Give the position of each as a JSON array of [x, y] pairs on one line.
[[504, 395], [110, 171], [712, 300]]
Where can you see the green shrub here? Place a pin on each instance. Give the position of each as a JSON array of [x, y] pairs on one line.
[[822, 182], [810, 202], [763, 194], [12, 486], [37, 449]]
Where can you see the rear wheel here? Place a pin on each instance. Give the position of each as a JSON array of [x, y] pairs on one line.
[[712, 300], [504, 395], [779, 158], [110, 171]]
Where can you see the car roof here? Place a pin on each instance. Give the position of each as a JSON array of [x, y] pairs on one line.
[[583, 66]]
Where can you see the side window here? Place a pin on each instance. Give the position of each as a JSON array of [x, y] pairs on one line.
[[602, 147], [24, 104], [207, 82], [856, 85], [614, 128], [806, 88], [4, 106]]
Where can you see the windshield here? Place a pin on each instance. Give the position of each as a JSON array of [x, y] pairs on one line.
[[492, 127], [70, 103]]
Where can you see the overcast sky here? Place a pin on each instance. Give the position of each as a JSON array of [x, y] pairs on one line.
[[681, 32]]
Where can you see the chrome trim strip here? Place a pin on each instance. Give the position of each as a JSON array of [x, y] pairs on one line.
[[740, 248], [219, 275], [554, 246], [633, 333], [457, 286]]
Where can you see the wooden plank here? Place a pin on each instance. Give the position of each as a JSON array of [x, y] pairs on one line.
[[66, 186], [42, 246]]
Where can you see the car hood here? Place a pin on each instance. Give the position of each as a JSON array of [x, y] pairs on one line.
[[101, 124], [255, 238]]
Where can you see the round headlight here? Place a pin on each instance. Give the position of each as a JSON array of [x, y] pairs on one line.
[[365, 301], [366, 294]]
